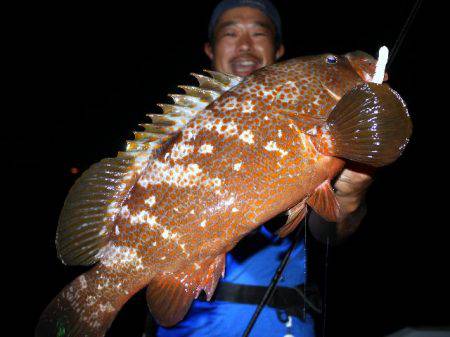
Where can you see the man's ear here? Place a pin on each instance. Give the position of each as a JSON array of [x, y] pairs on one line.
[[207, 48], [280, 52]]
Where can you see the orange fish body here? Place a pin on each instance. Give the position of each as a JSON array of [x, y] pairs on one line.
[[219, 163]]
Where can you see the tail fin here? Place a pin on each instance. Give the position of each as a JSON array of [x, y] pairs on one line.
[[370, 125], [85, 307]]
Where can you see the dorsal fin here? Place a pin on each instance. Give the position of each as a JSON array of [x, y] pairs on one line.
[[205, 95], [209, 83], [227, 80], [89, 211], [185, 108]]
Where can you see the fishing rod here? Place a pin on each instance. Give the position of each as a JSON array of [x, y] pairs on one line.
[[405, 29], [273, 283]]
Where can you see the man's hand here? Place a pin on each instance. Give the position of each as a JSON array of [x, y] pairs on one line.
[[350, 189]]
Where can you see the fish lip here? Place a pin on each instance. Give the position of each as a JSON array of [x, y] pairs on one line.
[[365, 75]]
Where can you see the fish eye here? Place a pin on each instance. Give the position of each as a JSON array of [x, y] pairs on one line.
[[331, 59]]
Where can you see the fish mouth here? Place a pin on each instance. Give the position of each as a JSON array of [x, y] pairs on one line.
[[364, 65], [245, 65], [367, 76]]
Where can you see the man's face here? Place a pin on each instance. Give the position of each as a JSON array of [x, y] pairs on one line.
[[244, 42]]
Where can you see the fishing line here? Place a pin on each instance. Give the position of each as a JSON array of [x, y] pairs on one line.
[[325, 287], [403, 32], [305, 272], [273, 283]]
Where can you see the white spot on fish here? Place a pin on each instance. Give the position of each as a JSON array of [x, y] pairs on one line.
[[216, 182], [83, 282], [230, 104], [234, 210], [112, 208], [90, 300], [103, 231], [117, 230], [237, 166], [203, 223], [163, 258], [272, 146], [227, 202], [248, 107], [181, 150], [192, 211], [152, 221], [108, 307], [150, 201], [293, 126], [280, 133], [247, 137], [266, 118], [316, 99], [117, 256], [165, 234], [176, 175], [230, 130], [140, 218], [190, 133], [125, 212], [312, 131], [197, 266], [206, 148]]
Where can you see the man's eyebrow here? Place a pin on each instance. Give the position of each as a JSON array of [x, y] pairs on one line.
[[264, 24], [229, 23], [226, 24]]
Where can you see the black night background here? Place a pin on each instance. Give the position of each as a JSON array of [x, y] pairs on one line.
[[87, 75]]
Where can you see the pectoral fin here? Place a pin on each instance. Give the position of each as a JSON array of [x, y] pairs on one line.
[[295, 215], [324, 202], [169, 296]]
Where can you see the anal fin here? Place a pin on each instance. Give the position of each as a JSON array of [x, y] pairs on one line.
[[295, 215], [324, 202], [169, 296]]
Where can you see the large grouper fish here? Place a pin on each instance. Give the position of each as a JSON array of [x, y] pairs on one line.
[[223, 159]]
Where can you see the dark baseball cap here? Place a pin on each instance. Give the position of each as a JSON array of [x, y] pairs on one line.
[[264, 6]]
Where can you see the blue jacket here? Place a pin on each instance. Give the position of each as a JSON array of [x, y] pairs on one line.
[[252, 262]]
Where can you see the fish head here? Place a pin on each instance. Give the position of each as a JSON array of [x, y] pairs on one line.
[[340, 73]]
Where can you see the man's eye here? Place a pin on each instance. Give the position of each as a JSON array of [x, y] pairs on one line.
[[259, 34], [232, 34]]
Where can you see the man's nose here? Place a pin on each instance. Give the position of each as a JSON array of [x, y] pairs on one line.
[[245, 43]]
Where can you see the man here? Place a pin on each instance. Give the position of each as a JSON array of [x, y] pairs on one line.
[[245, 35]]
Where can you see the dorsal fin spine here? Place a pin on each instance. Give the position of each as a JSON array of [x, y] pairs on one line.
[[209, 83]]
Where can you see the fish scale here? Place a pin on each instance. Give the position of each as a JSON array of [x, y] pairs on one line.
[[223, 159]]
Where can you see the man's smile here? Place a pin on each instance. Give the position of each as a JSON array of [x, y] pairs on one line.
[[245, 65]]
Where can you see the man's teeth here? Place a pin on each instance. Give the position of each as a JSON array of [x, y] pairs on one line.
[[246, 63]]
